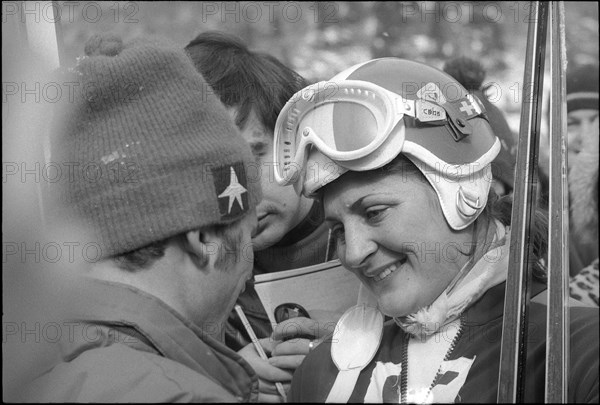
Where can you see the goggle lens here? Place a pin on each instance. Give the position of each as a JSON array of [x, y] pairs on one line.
[[342, 126], [354, 127]]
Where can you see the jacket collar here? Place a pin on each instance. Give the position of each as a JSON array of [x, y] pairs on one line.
[[159, 328], [491, 305]]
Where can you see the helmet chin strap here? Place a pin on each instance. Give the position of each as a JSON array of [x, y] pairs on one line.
[[468, 265]]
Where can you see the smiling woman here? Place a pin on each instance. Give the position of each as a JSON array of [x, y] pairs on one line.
[[415, 220], [392, 234]]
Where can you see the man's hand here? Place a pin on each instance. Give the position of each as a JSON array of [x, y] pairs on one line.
[[289, 344], [304, 327], [267, 373]]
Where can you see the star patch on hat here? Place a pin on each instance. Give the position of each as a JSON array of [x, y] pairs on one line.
[[231, 188]]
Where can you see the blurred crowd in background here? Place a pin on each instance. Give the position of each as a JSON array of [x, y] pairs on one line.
[[320, 39], [316, 39]]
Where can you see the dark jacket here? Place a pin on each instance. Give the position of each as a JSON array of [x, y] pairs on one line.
[[479, 342]]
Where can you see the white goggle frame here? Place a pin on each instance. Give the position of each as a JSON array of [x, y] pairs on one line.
[[291, 142]]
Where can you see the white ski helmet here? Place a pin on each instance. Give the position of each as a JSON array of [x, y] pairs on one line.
[[370, 113]]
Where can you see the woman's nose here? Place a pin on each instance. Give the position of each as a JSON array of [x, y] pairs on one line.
[[359, 246]]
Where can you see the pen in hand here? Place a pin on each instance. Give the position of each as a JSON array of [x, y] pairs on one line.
[[257, 346]]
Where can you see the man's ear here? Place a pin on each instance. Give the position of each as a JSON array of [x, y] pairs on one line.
[[202, 244]]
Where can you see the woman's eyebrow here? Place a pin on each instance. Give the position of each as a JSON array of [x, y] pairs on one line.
[[358, 204], [355, 206]]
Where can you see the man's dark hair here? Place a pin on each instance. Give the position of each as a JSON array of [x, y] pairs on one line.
[[146, 256], [244, 79]]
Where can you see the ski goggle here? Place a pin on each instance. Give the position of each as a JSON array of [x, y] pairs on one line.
[[345, 120]]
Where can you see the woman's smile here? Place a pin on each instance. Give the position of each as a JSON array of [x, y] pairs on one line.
[[382, 274]]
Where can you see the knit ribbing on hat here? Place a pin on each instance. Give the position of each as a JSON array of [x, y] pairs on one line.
[[582, 88], [151, 145]]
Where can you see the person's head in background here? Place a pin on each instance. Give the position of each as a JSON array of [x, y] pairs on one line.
[[582, 109], [471, 74], [254, 86], [583, 160]]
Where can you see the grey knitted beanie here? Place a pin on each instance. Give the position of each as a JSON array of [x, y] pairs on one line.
[[155, 152], [582, 88]]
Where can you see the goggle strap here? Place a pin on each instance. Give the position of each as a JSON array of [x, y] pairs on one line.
[[458, 122]]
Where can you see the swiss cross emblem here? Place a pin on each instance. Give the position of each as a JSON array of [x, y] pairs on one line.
[[466, 108], [470, 106], [230, 186]]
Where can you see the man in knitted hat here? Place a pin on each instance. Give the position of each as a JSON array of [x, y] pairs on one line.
[[583, 158], [582, 109], [164, 193]]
